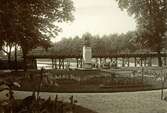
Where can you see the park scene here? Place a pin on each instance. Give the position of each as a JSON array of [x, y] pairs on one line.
[[83, 56]]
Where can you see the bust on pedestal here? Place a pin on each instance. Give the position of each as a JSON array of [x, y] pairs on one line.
[[87, 54]]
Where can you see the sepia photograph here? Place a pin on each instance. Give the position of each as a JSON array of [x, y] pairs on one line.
[[83, 56]]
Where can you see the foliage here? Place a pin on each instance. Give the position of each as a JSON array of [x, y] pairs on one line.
[[151, 16], [107, 44], [31, 23]]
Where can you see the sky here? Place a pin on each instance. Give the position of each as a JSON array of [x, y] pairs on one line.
[[100, 17]]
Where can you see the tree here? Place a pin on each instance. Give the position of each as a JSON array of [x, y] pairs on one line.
[[161, 74], [97, 45], [101, 45], [151, 16], [7, 32], [29, 22], [77, 45], [130, 42]]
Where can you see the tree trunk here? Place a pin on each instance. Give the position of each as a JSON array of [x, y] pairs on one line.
[[159, 59], [24, 51], [16, 57], [142, 78], [9, 57], [162, 90]]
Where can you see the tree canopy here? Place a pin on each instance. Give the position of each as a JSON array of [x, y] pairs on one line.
[[101, 45], [151, 18], [30, 23]]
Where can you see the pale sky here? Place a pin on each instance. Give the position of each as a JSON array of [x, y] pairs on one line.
[[101, 17]]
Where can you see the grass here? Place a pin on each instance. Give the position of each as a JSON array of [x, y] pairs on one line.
[[51, 106], [134, 102], [124, 102], [91, 85]]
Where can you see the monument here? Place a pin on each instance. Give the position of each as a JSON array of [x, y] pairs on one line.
[[87, 54]]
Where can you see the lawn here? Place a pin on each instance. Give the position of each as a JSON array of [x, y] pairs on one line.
[[125, 102]]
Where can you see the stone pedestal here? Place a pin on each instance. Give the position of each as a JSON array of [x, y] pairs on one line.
[[87, 65], [87, 57]]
